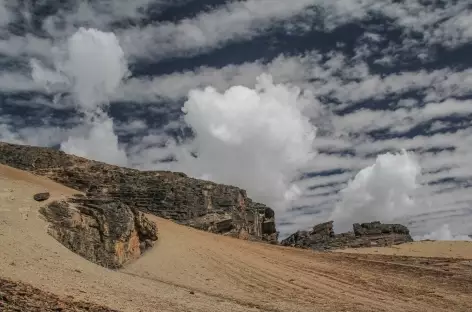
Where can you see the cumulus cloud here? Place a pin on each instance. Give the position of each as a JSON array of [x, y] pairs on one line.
[[253, 138], [380, 192], [444, 233], [92, 65], [7, 135], [98, 142]]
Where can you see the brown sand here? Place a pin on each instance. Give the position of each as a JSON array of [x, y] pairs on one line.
[[190, 270], [433, 249]]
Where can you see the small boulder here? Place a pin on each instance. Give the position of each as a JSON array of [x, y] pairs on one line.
[[41, 196]]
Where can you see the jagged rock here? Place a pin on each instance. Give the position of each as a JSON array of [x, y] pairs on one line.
[[371, 234], [324, 229], [104, 231], [41, 196], [202, 204]]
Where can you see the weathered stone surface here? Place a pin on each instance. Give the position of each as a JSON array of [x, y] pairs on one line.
[[202, 204], [104, 231], [41, 196], [322, 237]]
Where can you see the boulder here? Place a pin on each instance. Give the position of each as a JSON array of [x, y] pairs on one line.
[[41, 196], [104, 231], [324, 229]]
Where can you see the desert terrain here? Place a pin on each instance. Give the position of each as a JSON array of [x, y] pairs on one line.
[[192, 270], [429, 249]]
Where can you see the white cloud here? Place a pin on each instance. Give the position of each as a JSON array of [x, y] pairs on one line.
[[241, 20], [28, 45], [96, 140], [402, 119], [447, 24], [342, 79], [13, 82], [99, 14], [93, 66], [252, 138], [444, 233], [38, 136], [381, 192], [176, 85], [7, 135], [455, 31]]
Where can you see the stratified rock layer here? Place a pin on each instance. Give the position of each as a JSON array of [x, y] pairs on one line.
[[202, 204], [374, 234], [106, 232]]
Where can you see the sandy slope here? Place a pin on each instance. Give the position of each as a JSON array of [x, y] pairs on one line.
[[189, 270], [446, 249]]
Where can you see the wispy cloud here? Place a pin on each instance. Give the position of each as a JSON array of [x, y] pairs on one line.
[[240, 20]]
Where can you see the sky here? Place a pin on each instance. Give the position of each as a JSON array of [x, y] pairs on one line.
[[351, 110]]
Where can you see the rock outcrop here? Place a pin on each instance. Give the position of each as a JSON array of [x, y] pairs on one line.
[[104, 231], [374, 234], [201, 204]]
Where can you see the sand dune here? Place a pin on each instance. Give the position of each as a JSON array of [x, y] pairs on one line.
[[190, 270]]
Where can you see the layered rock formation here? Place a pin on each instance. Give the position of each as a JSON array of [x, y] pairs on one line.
[[202, 204], [374, 234], [104, 231]]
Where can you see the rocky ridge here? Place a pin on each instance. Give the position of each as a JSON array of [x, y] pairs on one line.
[[373, 234], [201, 204]]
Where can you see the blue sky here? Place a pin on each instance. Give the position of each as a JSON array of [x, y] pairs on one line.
[[372, 77]]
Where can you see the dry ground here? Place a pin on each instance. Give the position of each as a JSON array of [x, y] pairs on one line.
[[431, 249], [190, 270]]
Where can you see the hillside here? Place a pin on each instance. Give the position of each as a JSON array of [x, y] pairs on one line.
[[192, 270]]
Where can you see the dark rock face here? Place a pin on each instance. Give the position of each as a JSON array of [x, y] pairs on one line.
[[374, 234], [201, 204], [104, 231], [41, 196]]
